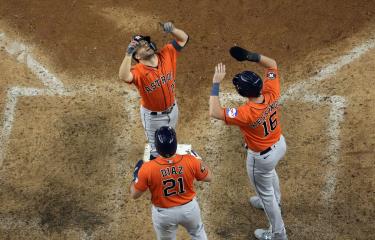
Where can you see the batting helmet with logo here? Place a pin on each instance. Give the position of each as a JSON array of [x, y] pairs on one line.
[[248, 84], [166, 141]]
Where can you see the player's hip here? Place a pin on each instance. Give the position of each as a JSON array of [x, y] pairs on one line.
[[155, 114], [267, 159], [159, 104], [175, 210]]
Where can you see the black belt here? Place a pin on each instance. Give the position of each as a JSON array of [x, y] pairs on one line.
[[262, 152], [265, 151], [169, 110]]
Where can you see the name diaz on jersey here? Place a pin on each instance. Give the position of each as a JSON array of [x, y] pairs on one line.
[[177, 170]]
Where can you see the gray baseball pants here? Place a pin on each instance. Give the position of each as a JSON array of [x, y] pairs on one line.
[[263, 176], [166, 221], [153, 122]]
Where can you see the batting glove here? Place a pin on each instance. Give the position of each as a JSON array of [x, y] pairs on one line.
[[132, 47], [136, 170], [167, 27]]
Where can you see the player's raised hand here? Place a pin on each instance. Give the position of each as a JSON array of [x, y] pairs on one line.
[[219, 73], [167, 26], [132, 47]]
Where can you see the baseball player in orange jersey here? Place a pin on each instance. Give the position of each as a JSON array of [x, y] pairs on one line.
[[154, 76], [259, 123], [170, 179]]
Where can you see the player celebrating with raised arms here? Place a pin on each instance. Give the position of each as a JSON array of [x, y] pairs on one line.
[[259, 122], [154, 76], [170, 179]]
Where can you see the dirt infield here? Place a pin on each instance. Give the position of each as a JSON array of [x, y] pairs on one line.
[[67, 158]]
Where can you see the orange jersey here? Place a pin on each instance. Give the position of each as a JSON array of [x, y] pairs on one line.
[[156, 85], [259, 122], [170, 180]]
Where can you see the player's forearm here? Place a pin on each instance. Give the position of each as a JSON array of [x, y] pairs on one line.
[[216, 111], [180, 36], [267, 62], [124, 72], [133, 192]]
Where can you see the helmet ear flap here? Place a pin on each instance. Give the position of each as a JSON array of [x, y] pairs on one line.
[[153, 46]]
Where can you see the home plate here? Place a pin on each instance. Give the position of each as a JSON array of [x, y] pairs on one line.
[[181, 149]]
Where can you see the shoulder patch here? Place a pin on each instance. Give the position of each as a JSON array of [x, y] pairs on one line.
[[271, 75], [232, 112]]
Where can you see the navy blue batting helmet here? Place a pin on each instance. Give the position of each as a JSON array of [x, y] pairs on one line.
[[248, 84], [166, 141]]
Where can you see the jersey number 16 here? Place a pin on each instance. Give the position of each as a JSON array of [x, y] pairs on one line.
[[272, 124]]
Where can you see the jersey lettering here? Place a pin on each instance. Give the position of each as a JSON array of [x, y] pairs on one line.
[[262, 119], [272, 124], [172, 170], [158, 82], [170, 186], [170, 181]]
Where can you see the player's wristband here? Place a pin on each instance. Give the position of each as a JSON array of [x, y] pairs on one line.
[[215, 89], [253, 57]]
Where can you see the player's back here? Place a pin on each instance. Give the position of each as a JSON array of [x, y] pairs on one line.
[[171, 180], [260, 122]]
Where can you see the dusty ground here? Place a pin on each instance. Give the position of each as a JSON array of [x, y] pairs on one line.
[[69, 159]]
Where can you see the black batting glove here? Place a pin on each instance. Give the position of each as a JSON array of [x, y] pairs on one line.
[[241, 54], [136, 170], [132, 47]]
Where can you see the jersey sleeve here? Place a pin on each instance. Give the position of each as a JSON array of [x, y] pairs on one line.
[[136, 76], [142, 183], [272, 82], [236, 116], [170, 52], [200, 171]]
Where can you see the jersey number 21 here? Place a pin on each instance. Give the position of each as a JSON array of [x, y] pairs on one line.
[[170, 184]]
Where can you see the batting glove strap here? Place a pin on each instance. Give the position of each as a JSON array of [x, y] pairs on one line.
[[136, 170], [131, 49]]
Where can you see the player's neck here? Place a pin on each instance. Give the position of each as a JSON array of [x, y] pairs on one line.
[[167, 158], [259, 99], [153, 61]]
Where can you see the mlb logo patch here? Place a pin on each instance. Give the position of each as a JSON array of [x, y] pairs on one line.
[[271, 75], [232, 112]]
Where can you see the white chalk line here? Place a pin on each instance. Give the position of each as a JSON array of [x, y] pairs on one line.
[[299, 91], [10, 109], [20, 51], [54, 87], [330, 70]]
